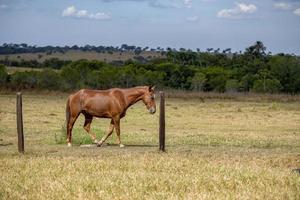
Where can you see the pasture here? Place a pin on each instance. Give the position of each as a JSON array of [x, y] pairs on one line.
[[74, 55], [12, 70], [216, 149]]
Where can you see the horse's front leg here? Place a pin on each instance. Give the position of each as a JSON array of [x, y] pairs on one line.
[[118, 132], [87, 127]]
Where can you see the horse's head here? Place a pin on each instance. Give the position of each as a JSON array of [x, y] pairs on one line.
[[149, 99]]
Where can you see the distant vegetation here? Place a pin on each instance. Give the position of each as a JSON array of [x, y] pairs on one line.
[[24, 48], [255, 69]]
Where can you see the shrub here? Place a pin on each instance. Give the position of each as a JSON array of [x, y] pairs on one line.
[[247, 82], [24, 80], [55, 63], [198, 81], [49, 79], [3, 75], [232, 85], [267, 86], [216, 78]]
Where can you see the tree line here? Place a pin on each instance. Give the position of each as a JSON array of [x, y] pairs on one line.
[[25, 48], [253, 70]]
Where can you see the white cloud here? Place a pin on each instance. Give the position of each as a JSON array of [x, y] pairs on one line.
[[282, 6], [297, 11], [244, 8], [71, 11], [100, 16], [192, 19], [82, 13], [187, 3], [238, 11]]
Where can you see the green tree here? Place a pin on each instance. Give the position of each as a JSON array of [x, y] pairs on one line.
[[266, 83], [257, 50], [55, 63], [75, 74], [109, 77], [49, 79], [127, 76], [94, 80], [286, 69], [264, 75], [267, 86], [232, 85], [24, 80], [71, 78], [147, 77], [247, 82], [198, 81], [216, 78]]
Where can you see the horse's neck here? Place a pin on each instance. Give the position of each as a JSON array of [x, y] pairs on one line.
[[133, 96]]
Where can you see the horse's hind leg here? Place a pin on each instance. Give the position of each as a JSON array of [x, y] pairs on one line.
[[109, 132], [70, 127], [87, 127]]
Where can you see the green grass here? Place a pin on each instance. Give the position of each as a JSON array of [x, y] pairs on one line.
[[216, 149]]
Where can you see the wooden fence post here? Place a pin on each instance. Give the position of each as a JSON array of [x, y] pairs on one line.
[[162, 122], [20, 123]]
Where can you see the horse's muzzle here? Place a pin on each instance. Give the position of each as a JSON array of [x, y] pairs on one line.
[[152, 110]]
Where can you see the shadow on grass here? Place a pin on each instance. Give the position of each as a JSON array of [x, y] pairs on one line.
[[297, 171], [135, 145], [7, 144], [116, 145]]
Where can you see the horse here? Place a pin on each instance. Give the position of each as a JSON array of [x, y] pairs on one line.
[[112, 103]]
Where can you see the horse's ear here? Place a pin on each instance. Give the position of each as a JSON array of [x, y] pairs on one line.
[[151, 88]]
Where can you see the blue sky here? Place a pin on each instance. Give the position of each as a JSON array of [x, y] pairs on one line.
[[165, 23]]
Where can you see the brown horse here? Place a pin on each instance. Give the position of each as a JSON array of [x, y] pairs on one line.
[[111, 103]]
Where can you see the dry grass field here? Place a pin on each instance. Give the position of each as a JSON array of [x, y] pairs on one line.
[[12, 70], [216, 149], [76, 55]]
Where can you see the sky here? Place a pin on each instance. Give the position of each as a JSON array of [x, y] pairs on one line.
[[189, 24]]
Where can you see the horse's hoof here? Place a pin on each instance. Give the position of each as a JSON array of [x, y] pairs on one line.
[[122, 145], [69, 144], [96, 141], [99, 144]]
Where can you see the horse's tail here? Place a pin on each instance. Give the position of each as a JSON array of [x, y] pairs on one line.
[[68, 112]]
